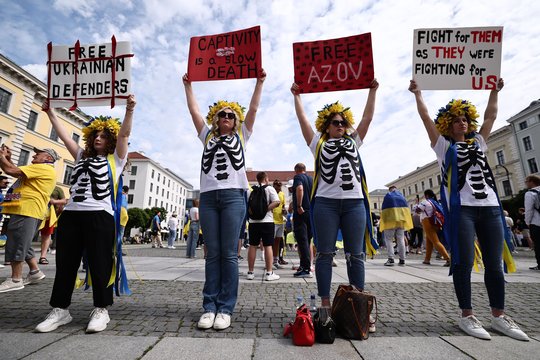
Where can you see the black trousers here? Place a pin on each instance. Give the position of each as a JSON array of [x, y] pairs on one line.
[[303, 235], [535, 236], [84, 232]]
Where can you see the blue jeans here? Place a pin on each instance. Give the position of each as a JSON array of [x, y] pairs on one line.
[[221, 215], [349, 215], [193, 237], [484, 222], [171, 238]]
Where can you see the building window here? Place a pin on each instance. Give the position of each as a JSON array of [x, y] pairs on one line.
[[416, 188], [158, 176], [53, 136], [169, 183], [438, 179], [67, 174], [5, 99], [155, 202], [132, 184], [23, 157], [163, 179], [523, 125], [527, 145], [500, 157], [157, 190], [507, 188], [75, 137], [130, 198], [161, 203], [167, 195], [32, 121], [162, 192], [410, 190], [423, 186], [430, 183], [152, 173], [375, 206], [149, 201], [151, 186], [134, 172], [533, 167]]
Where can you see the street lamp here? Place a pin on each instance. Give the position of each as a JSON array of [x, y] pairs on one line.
[[507, 178]]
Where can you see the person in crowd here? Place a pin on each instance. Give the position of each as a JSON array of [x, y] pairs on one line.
[[193, 232], [87, 225], [471, 206], [173, 228], [279, 227], [417, 232], [532, 214], [223, 205], [57, 199], [124, 217], [340, 195], [395, 220], [425, 210], [523, 228], [26, 202], [155, 229]]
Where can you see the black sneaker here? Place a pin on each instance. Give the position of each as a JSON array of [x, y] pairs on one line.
[[389, 262], [240, 258], [301, 273], [401, 262]]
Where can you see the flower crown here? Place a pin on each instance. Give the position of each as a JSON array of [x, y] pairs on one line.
[[222, 104], [324, 114], [456, 107], [100, 123]]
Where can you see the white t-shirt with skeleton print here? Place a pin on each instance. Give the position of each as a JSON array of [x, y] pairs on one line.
[[339, 176], [90, 184], [475, 183], [223, 162]]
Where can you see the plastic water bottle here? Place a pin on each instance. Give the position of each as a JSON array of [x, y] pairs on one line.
[[312, 305]]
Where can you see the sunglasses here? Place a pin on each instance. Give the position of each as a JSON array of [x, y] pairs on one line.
[[339, 123], [223, 114]]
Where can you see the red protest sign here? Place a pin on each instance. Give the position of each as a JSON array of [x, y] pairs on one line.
[[233, 55], [333, 65]]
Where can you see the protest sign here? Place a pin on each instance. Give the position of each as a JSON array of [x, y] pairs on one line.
[[457, 58], [233, 55], [89, 75], [333, 65]]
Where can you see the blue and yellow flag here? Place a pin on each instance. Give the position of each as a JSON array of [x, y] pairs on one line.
[[395, 212]]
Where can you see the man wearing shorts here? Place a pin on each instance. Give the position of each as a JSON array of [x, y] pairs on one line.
[[279, 227], [26, 203]]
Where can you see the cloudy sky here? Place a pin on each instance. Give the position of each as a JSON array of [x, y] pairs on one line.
[[160, 31]]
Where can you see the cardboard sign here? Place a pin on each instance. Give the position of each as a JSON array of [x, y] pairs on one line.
[[233, 55], [333, 65], [89, 75], [458, 58]]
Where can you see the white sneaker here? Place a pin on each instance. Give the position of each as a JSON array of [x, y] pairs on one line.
[[2, 266], [250, 275], [57, 317], [473, 327], [53, 252], [171, 247], [10, 285], [206, 321], [271, 276], [32, 279], [508, 327], [222, 321], [372, 327], [99, 318]]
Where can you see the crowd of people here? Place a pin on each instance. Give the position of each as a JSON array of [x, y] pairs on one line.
[[334, 203]]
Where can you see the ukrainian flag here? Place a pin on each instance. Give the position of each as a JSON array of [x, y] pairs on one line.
[[395, 212]]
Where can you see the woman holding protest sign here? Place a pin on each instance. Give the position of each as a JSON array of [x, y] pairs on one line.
[[87, 225], [340, 196], [223, 203], [471, 206]]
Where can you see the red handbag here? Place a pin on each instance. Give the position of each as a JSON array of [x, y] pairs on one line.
[[302, 330]]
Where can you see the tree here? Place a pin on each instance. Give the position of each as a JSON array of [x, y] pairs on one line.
[[138, 218]]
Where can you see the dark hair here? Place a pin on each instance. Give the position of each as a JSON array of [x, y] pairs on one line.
[[89, 150], [328, 120], [2, 177], [261, 176], [299, 167], [429, 193], [535, 179], [125, 188]]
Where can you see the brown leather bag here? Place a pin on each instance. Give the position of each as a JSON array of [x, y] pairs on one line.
[[350, 310]]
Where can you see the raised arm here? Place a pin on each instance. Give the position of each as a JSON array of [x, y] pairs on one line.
[[125, 129], [193, 107], [491, 110], [63, 134], [255, 101], [367, 116], [432, 131], [307, 131], [6, 165]]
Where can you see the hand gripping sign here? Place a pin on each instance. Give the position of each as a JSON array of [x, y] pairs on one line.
[[89, 75], [457, 58], [233, 55], [333, 65]]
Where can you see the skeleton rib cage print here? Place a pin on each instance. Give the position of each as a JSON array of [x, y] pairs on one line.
[[93, 174], [330, 161], [222, 152]]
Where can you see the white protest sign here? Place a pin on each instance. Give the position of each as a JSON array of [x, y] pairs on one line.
[[457, 58], [89, 75]]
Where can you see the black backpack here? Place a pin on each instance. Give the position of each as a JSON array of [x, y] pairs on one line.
[[258, 203]]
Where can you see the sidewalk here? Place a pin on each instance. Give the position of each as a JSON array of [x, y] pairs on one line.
[[417, 311]]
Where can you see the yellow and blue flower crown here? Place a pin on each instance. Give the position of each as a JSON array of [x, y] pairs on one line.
[[456, 107], [336, 108], [99, 123], [222, 104]]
